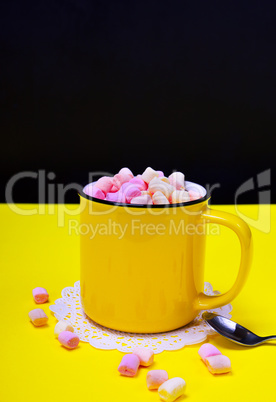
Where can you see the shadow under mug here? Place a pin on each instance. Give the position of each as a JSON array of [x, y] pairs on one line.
[[142, 267]]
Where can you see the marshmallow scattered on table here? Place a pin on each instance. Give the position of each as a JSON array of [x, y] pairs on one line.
[[63, 326], [145, 355], [129, 365], [155, 378], [218, 364], [68, 339], [38, 317], [207, 350], [172, 389], [40, 295], [214, 360]]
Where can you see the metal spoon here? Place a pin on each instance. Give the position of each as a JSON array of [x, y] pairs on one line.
[[233, 331]]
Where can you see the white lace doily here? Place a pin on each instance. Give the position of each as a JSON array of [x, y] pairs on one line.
[[69, 308]]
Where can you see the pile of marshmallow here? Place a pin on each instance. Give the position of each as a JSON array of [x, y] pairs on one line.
[[63, 330], [151, 187], [173, 388]]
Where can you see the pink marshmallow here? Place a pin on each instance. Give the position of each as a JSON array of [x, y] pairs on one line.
[[94, 191], [130, 192], [40, 295], [139, 176], [194, 195], [69, 339], [207, 350], [89, 188], [120, 179], [119, 196], [125, 186], [218, 364], [161, 174], [145, 355], [38, 317], [155, 378], [142, 200], [113, 189], [139, 183], [129, 365], [126, 171], [105, 184]]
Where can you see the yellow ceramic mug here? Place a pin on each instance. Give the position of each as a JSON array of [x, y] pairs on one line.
[[142, 266]]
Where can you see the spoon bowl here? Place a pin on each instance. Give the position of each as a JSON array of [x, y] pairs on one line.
[[233, 331]]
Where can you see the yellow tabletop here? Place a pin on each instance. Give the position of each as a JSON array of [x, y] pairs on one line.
[[38, 250]]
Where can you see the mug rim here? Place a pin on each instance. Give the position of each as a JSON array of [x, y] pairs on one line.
[[155, 206]]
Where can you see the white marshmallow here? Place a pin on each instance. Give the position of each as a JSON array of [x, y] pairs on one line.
[[179, 196], [149, 174], [158, 184], [172, 389], [218, 364], [63, 326], [177, 179], [159, 198], [142, 200], [165, 179]]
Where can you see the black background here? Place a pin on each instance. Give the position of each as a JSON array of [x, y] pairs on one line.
[[98, 85]]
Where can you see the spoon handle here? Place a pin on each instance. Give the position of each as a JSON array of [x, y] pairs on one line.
[[268, 338]]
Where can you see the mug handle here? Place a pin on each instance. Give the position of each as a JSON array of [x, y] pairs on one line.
[[242, 230]]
